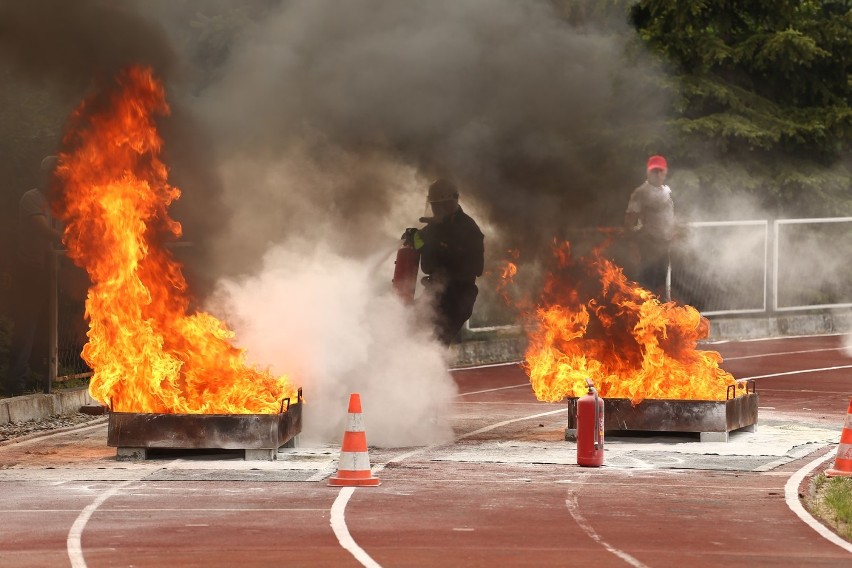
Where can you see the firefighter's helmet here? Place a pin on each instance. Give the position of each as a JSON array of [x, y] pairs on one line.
[[442, 190]]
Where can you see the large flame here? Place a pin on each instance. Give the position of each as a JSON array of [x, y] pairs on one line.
[[592, 322], [148, 354]]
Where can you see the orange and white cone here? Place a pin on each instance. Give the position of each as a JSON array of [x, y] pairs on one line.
[[843, 462], [353, 468]]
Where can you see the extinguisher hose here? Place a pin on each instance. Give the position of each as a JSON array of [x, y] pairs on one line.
[[597, 419]]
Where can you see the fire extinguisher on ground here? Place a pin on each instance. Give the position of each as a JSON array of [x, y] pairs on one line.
[[590, 428], [406, 266]]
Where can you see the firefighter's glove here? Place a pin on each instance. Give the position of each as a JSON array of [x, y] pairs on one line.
[[408, 236], [417, 240], [413, 237]]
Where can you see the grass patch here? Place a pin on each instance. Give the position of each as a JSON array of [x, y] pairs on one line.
[[831, 501], [838, 498]]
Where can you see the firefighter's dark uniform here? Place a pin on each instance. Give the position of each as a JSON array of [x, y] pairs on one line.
[[452, 255]]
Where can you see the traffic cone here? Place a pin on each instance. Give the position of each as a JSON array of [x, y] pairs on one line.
[[353, 468], [843, 462]]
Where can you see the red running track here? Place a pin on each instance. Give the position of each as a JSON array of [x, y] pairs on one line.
[[66, 501]]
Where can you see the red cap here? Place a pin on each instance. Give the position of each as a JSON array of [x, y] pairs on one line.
[[655, 162]]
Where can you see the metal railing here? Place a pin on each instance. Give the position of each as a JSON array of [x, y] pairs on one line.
[[798, 265], [720, 267], [733, 268], [820, 278], [66, 325], [723, 267]]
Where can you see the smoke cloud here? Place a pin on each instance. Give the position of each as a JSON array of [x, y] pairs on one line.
[[327, 323], [357, 106], [74, 48], [306, 148], [73, 43]]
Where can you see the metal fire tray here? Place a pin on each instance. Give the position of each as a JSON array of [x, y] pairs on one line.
[[259, 435], [712, 419]]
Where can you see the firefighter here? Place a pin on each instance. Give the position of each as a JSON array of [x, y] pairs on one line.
[[452, 253]]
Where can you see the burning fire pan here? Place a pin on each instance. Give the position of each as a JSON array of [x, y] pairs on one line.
[[712, 419], [260, 435]]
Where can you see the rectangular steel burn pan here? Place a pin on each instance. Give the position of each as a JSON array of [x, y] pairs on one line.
[[712, 419], [259, 435]]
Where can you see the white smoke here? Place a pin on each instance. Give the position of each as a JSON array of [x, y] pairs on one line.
[[335, 327], [846, 343]]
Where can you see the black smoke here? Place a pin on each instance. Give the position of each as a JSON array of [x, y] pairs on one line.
[[77, 48]]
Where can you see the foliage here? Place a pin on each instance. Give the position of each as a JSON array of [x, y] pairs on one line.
[[765, 84], [830, 500], [838, 496]]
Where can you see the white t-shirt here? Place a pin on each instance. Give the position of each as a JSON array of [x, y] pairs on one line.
[[655, 209]]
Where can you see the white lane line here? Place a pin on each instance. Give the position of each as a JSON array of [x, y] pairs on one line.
[[779, 354], [341, 531], [73, 542], [810, 391], [526, 384], [799, 372], [490, 365], [121, 510], [791, 496], [338, 508], [574, 509]]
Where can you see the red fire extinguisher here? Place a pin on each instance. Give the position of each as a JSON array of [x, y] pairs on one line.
[[406, 266], [590, 428]]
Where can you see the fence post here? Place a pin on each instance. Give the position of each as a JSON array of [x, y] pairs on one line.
[[53, 321], [772, 268]]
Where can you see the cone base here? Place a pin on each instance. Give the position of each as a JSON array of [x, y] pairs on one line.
[[837, 473], [347, 482]]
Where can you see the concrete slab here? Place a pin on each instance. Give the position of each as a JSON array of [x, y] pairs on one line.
[[772, 445]]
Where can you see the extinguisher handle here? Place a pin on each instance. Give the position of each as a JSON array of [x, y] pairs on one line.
[[408, 236]]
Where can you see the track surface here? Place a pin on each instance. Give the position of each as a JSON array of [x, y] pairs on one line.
[[507, 492]]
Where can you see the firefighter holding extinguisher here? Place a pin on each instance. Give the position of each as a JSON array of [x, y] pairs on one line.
[[452, 253]]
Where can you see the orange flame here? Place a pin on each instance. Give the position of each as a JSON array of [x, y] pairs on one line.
[[147, 352], [510, 269], [593, 323]]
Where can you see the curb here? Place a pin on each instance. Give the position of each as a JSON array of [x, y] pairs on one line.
[[485, 352], [39, 405], [51, 431], [727, 329]]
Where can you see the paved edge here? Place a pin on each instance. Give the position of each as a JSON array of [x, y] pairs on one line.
[[39, 405]]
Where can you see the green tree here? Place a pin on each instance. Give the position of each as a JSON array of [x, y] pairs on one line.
[[764, 86]]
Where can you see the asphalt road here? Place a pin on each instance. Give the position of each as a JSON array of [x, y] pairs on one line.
[[506, 492]]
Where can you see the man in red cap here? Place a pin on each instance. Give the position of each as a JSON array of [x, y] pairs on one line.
[[650, 216]]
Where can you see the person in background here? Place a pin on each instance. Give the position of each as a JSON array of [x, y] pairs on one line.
[[650, 216], [36, 236], [452, 255]]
